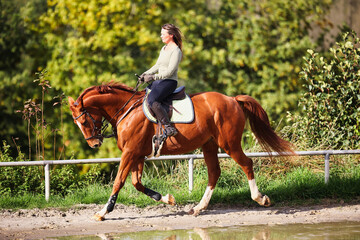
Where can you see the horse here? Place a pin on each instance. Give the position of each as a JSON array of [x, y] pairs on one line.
[[219, 122]]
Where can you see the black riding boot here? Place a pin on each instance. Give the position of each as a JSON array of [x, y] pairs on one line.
[[162, 116]]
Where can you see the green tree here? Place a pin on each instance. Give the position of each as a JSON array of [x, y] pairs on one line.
[[331, 102], [234, 47], [251, 47], [21, 53], [243, 46]]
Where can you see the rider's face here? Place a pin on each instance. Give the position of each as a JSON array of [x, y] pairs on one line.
[[165, 36]]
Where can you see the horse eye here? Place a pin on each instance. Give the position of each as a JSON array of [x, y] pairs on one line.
[[86, 123]]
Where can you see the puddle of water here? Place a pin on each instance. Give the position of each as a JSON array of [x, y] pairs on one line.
[[323, 231]]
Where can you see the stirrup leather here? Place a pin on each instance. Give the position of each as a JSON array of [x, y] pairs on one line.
[[158, 141]]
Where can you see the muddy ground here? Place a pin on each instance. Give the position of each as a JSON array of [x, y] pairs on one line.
[[46, 223]]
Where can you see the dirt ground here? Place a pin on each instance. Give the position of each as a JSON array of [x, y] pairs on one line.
[[46, 223]]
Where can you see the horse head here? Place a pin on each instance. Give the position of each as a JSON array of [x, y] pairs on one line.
[[89, 120]]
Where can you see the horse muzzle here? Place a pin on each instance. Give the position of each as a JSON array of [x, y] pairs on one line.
[[95, 143]]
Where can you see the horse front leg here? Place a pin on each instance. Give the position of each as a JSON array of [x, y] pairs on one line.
[[136, 175], [124, 169]]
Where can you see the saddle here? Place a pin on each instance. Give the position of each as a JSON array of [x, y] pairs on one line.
[[180, 110], [178, 94], [178, 105]]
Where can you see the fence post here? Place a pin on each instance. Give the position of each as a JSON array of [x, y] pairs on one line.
[[327, 168], [191, 174], [47, 181]]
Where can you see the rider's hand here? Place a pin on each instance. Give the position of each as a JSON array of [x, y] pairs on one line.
[[141, 78], [148, 78]]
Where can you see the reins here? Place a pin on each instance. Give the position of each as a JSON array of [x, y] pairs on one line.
[[103, 129]]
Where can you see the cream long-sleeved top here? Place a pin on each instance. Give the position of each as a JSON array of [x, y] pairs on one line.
[[166, 66]]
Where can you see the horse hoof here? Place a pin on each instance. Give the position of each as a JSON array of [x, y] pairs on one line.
[[191, 212], [97, 217], [266, 201], [168, 199], [171, 200], [194, 212]]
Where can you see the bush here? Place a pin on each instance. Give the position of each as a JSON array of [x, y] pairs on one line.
[[66, 179], [24, 179], [18, 179], [331, 103]]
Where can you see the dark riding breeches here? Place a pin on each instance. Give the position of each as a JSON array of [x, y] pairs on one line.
[[160, 90]]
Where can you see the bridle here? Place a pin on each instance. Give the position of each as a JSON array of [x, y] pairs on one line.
[[95, 129], [99, 133]]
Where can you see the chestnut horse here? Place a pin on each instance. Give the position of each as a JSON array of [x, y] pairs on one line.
[[219, 122]]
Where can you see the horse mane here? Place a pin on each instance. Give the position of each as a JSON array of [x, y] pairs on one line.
[[109, 87]]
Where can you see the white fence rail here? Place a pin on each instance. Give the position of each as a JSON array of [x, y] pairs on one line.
[[189, 157]]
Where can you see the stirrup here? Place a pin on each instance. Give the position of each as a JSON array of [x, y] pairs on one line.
[[157, 144]]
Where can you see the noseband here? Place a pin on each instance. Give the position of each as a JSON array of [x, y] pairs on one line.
[[95, 129]]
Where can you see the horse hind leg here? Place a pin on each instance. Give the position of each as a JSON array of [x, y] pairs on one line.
[[136, 181], [214, 171], [262, 200], [247, 166]]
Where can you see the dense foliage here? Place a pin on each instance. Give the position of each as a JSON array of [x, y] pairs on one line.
[[30, 179], [234, 47], [21, 55], [331, 104]]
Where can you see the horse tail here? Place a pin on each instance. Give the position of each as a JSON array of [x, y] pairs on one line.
[[260, 126]]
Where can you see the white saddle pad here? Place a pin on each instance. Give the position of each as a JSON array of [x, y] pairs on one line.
[[183, 111]]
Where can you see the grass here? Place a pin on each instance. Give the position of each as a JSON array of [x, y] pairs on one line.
[[290, 182]]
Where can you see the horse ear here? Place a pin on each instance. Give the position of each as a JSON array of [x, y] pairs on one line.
[[71, 101]]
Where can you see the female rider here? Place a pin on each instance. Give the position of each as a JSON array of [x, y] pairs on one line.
[[164, 74]]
